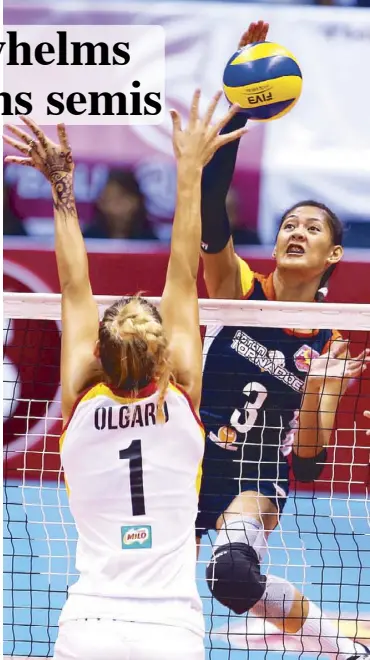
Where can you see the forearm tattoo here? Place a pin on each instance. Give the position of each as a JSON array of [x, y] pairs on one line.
[[57, 166], [59, 171], [63, 196]]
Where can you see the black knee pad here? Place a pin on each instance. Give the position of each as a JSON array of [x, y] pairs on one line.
[[234, 577], [309, 469]]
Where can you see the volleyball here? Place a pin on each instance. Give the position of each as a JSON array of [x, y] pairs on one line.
[[264, 79]]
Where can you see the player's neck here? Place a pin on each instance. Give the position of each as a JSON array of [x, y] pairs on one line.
[[289, 286]]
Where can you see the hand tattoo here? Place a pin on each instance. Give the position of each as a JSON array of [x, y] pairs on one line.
[[57, 166], [56, 162], [53, 160]]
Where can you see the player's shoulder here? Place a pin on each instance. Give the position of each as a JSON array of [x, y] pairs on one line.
[[177, 391], [87, 394], [315, 342], [327, 338], [254, 284]]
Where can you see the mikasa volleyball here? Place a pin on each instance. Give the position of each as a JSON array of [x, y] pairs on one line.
[[264, 79]]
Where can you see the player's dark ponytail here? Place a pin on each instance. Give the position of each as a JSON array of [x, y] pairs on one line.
[[336, 229], [323, 289]]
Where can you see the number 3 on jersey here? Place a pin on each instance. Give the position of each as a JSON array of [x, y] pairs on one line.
[[134, 456], [251, 407]]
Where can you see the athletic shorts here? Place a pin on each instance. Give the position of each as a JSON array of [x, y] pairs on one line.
[[225, 476], [104, 639]]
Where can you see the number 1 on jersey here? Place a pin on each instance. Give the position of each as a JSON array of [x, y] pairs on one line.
[[134, 456]]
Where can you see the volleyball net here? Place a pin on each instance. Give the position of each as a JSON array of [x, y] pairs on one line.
[[322, 543]]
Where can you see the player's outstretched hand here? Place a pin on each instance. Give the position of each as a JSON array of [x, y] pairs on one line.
[[255, 33], [39, 151], [367, 414], [337, 365], [197, 143]]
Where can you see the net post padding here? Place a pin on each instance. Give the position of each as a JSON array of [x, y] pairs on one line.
[[268, 314]]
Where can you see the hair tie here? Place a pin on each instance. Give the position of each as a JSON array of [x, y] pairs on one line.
[[324, 291]]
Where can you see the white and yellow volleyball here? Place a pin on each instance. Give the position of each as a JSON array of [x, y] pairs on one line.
[[264, 79]]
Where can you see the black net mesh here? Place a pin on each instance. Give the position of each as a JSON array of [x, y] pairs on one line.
[[321, 543]]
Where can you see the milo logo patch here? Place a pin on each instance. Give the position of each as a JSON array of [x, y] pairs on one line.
[[136, 537]]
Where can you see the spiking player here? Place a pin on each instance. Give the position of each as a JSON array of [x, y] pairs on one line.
[[132, 443], [254, 380]]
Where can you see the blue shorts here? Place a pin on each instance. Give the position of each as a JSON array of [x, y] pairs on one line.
[[225, 476]]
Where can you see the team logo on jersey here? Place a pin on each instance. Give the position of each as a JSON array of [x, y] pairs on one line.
[[303, 357], [136, 537], [270, 361], [277, 357], [225, 438]]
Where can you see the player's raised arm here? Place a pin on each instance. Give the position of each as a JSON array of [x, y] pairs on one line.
[[223, 270], [80, 320], [193, 146]]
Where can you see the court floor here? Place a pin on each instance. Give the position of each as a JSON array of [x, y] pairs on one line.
[[322, 545]]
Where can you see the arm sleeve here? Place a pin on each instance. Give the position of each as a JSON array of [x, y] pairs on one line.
[[216, 180]]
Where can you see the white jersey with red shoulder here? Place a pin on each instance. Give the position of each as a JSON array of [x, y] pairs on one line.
[[133, 487]]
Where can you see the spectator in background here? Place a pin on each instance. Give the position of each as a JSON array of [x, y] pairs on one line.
[[242, 234], [120, 210], [12, 225]]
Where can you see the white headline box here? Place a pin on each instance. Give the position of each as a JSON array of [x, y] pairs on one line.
[[127, 79]]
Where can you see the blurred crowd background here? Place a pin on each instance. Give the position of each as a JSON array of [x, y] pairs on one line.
[[125, 176]]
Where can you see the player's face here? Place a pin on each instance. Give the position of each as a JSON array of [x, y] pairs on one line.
[[305, 241]]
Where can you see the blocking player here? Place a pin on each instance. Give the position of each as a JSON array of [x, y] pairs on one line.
[[132, 442], [254, 381]]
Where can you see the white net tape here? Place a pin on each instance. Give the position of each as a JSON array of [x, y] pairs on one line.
[[322, 543], [218, 312]]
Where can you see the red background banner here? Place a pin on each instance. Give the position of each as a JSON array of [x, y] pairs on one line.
[[121, 267]]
